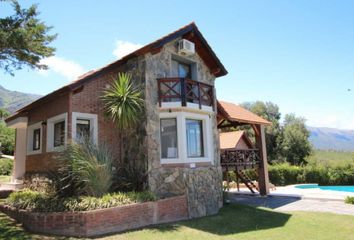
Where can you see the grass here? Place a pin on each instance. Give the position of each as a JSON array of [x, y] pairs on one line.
[[233, 222], [331, 158], [5, 178]]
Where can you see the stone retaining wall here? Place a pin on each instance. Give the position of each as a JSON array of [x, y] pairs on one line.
[[103, 221]]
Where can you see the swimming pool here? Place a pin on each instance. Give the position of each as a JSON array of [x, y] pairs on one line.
[[333, 188]]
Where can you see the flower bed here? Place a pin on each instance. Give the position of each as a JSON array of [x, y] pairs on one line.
[[102, 221]]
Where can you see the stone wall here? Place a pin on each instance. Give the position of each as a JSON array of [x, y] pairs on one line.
[[202, 184], [104, 221]]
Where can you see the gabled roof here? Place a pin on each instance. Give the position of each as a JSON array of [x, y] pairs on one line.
[[229, 140], [234, 113], [189, 32]]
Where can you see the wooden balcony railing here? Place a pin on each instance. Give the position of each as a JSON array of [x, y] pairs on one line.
[[240, 158], [185, 90]]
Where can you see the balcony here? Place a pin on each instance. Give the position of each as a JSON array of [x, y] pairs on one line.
[[186, 93], [239, 159]]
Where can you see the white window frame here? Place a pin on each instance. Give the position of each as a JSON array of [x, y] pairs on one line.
[[208, 141], [93, 124], [30, 132], [50, 131]]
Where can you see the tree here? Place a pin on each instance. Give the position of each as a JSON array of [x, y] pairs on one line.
[[4, 113], [24, 39], [270, 112], [7, 139], [123, 103], [295, 143]]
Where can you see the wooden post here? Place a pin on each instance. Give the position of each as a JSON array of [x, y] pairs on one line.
[[263, 177]]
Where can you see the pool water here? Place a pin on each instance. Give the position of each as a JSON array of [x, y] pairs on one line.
[[333, 188]]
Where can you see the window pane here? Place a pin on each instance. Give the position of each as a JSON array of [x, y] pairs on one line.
[[194, 130], [169, 143], [184, 70], [82, 128], [36, 139], [59, 134]]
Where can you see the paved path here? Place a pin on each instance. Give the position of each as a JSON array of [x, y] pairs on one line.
[[288, 204]]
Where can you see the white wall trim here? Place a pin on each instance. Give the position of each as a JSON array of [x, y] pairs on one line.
[[50, 131], [208, 140], [30, 130], [93, 124]]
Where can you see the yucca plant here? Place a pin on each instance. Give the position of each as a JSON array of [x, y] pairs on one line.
[[123, 104], [85, 169], [123, 101]]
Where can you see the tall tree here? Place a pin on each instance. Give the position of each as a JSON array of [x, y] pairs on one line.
[[295, 144], [270, 112], [24, 39]]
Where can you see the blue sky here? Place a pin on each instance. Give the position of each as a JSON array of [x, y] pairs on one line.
[[297, 54]]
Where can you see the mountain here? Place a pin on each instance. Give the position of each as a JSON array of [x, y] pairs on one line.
[[13, 100], [332, 139]]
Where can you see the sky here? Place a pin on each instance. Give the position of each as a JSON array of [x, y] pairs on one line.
[[296, 54]]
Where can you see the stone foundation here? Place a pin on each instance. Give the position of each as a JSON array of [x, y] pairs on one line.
[[203, 187]]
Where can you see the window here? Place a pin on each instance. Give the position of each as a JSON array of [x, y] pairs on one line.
[[186, 138], [36, 139], [194, 133], [83, 129], [169, 141], [84, 125], [59, 134], [181, 70]]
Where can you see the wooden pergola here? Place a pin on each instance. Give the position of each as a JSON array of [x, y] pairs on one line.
[[232, 115]]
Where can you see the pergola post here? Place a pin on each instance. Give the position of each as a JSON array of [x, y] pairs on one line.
[[263, 177]]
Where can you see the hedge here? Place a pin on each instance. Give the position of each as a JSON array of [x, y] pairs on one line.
[[6, 166], [41, 202], [285, 174]]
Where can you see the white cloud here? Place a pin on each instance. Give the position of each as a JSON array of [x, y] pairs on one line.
[[333, 121], [67, 68], [123, 48]]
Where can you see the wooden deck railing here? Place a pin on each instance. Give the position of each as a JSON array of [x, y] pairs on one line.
[[240, 158], [185, 90]]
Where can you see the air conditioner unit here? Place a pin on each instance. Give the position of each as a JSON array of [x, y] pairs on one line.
[[186, 47]]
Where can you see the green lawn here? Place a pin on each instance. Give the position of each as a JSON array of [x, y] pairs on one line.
[[4, 178], [331, 158], [233, 222]]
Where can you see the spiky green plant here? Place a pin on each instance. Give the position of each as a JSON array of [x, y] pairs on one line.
[[85, 169], [123, 102]]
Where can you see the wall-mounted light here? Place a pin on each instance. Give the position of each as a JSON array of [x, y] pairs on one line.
[[44, 123]]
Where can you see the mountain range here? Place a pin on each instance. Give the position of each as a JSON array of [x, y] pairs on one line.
[[321, 138], [332, 139], [13, 100]]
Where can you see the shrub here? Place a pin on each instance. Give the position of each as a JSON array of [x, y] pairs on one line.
[[349, 200], [6, 166], [85, 169], [285, 174], [40, 202]]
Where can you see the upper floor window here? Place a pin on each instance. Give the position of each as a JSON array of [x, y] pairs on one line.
[[182, 70]]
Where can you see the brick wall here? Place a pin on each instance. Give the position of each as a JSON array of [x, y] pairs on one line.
[[44, 161], [104, 221]]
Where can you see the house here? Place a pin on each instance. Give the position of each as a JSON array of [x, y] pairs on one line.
[[177, 139], [237, 140]]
